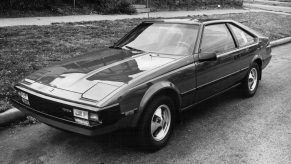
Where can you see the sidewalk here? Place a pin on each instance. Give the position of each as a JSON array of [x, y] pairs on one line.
[[269, 7], [80, 18], [269, 2]]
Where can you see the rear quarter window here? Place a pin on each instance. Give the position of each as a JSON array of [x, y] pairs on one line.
[[242, 37]]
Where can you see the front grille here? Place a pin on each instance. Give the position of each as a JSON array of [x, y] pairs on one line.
[[63, 111], [50, 107]]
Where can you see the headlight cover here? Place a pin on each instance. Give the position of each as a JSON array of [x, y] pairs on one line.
[[99, 91]]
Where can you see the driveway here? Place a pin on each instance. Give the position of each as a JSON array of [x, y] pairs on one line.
[[226, 129]]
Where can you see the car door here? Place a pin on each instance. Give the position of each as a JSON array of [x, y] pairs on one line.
[[213, 77]]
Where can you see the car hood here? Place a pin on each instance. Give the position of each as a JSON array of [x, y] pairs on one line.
[[99, 71]]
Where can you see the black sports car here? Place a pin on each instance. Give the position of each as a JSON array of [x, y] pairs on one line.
[[147, 78]]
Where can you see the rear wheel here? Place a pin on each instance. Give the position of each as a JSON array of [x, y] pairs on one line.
[[156, 124], [251, 81]]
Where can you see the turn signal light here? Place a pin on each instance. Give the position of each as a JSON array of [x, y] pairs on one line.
[[95, 117], [24, 97]]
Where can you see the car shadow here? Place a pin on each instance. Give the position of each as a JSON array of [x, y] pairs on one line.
[[213, 105], [199, 125]]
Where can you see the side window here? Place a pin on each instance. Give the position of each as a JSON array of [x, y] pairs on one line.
[[242, 37], [217, 38]]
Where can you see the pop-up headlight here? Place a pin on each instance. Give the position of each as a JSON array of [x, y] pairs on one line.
[[99, 91]]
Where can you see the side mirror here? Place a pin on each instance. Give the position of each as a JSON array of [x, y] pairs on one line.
[[207, 57]]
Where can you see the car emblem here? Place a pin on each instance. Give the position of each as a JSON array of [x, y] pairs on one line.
[[66, 110]]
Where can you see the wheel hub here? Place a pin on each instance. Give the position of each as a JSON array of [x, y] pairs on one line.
[[253, 79], [160, 123]]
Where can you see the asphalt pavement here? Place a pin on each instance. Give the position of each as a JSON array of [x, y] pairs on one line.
[[226, 129]]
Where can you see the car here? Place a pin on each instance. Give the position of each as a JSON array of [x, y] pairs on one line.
[[146, 79]]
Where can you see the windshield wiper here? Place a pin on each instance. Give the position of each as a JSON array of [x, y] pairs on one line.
[[127, 47], [115, 47], [131, 48]]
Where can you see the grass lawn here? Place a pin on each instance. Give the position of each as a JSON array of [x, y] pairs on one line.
[[24, 49]]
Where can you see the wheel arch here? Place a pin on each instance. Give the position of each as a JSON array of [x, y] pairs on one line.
[[161, 88], [260, 63]]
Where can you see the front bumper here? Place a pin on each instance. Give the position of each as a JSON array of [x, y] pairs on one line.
[[70, 125]]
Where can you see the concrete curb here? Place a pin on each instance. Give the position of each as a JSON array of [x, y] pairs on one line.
[[14, 114], [11, 115], [280, 41]]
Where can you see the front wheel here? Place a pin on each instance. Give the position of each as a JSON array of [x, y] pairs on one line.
[[156, 123], [251, 81]]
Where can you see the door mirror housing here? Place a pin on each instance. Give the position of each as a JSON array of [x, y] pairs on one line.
[[207, 57]]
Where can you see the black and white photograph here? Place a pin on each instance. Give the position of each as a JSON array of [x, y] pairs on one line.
[[145, 81]]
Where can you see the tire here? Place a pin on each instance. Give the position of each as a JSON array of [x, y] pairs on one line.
[[250, 83], [156, 124]]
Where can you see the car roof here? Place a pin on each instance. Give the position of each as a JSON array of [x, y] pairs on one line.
[[190, 21], [206, 21]]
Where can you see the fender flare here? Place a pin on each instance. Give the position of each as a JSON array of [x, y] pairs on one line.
[[258, 57], [151, 92]]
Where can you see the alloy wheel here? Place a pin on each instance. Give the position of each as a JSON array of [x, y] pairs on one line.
[[253, 79], [160, 122]]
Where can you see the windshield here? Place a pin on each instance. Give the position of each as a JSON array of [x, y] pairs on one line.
[[174, 39]]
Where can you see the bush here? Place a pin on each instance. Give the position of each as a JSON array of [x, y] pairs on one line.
[[113, 7], [24, 4], [100, 6], [125, 8], [159, 4]]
